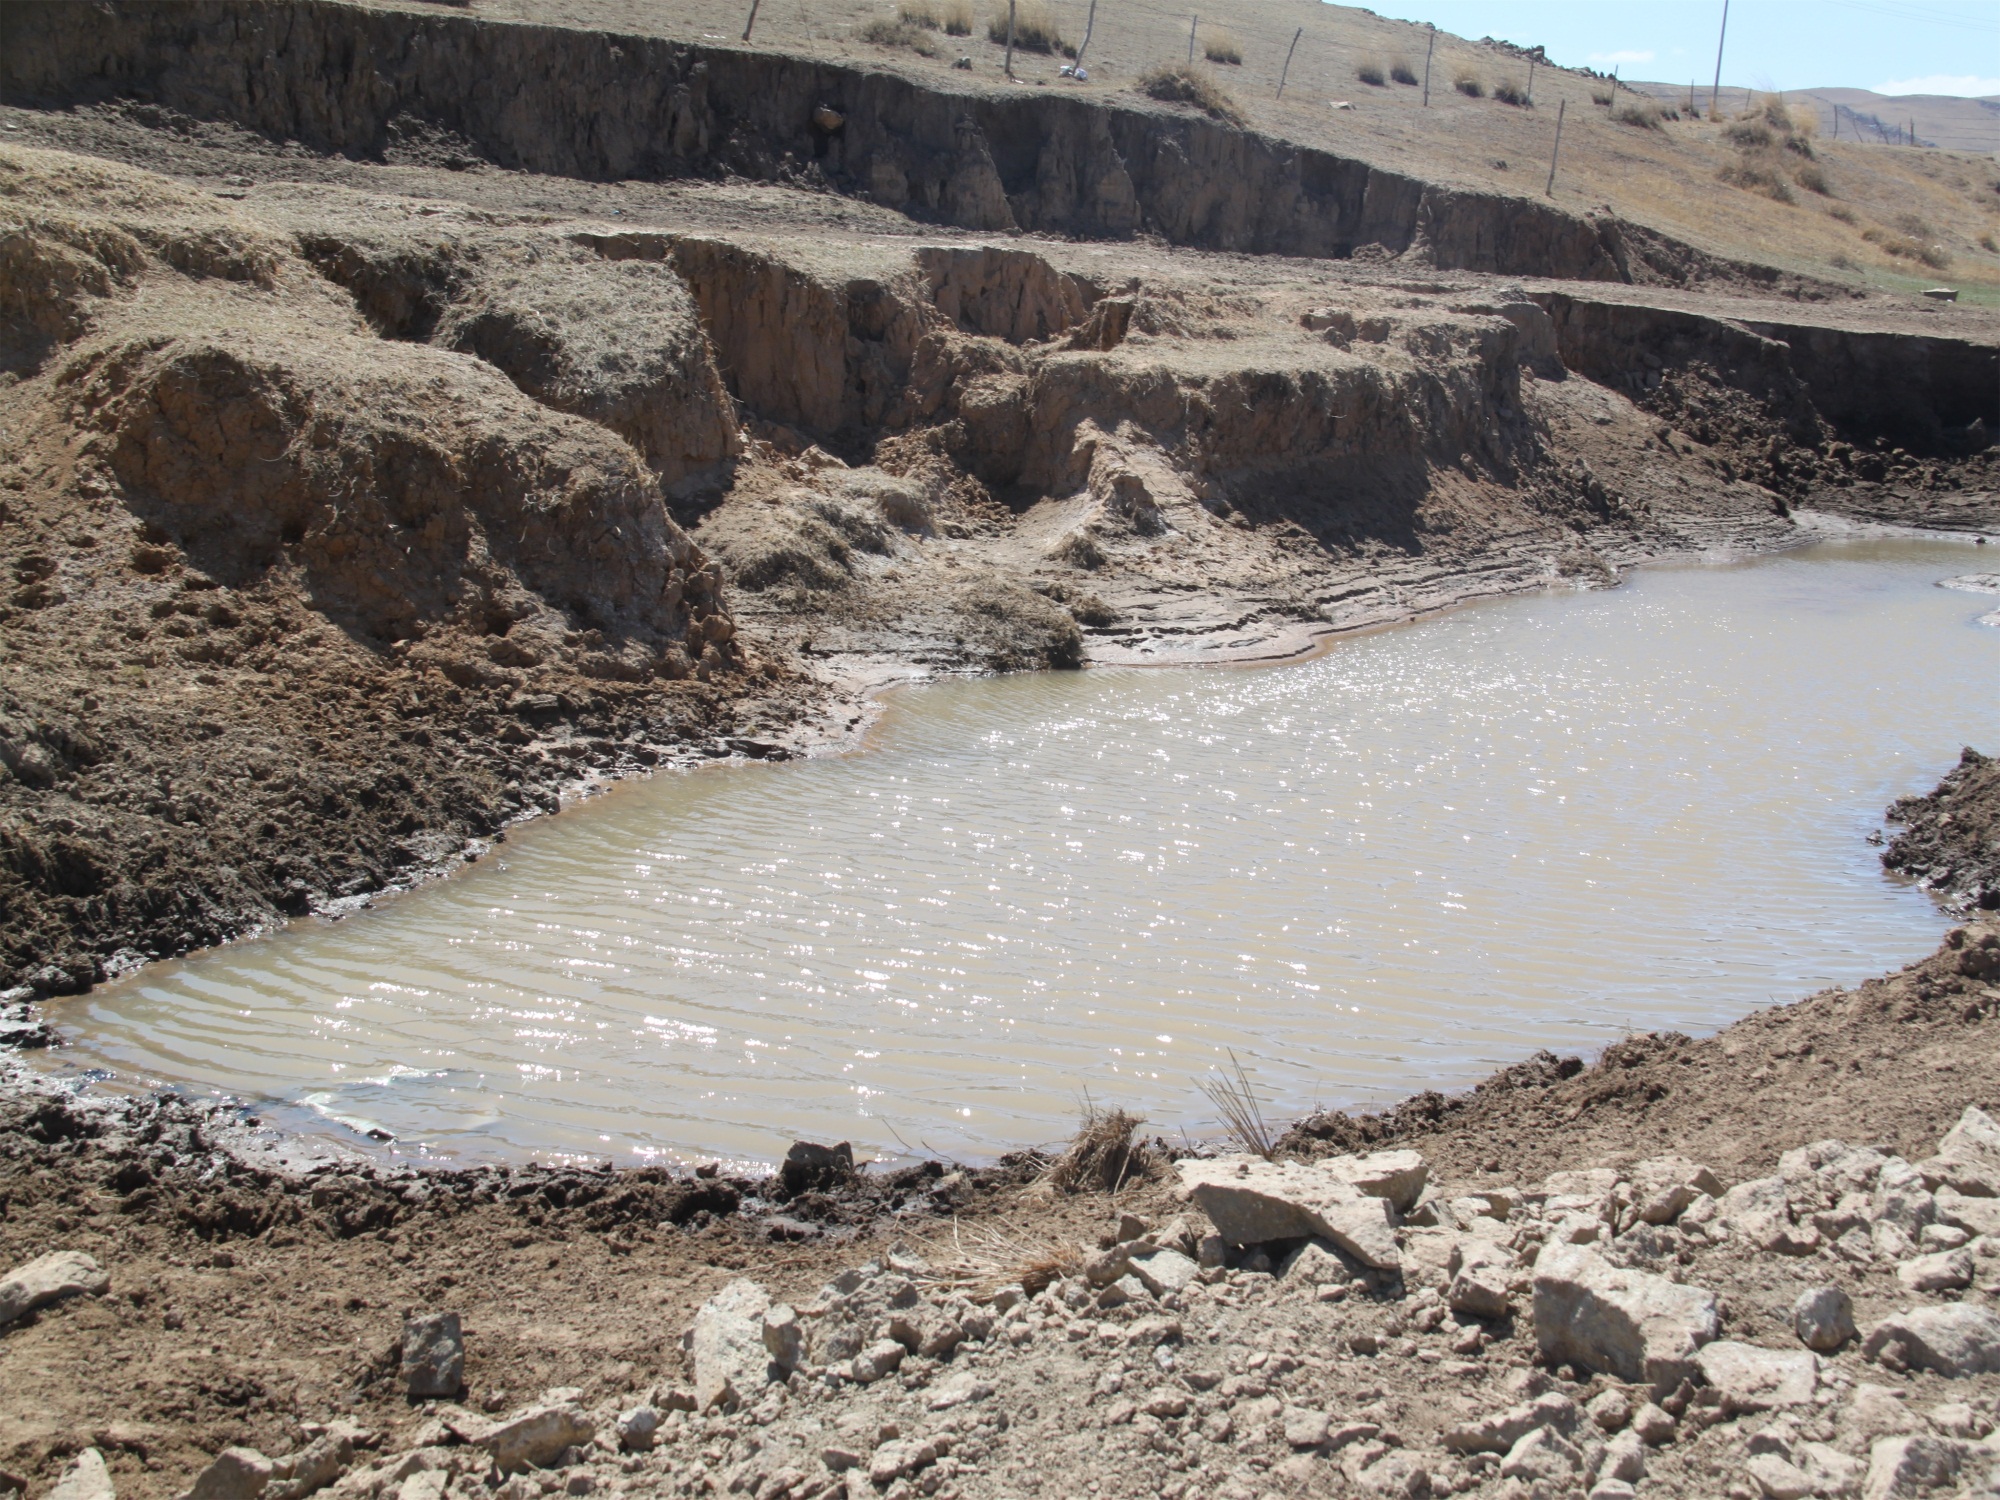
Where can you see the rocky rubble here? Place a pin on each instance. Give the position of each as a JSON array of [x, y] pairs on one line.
[[1611, 1332]]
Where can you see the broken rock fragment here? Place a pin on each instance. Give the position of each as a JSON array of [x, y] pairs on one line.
[[1955, 1340], [86, 1478], [1823, 1318], [1251, 1201], [533, 1438], [236, 1474], [1633, 1324], [433, 1355], [1750, 1379], [49, 1278], [731, 1362]]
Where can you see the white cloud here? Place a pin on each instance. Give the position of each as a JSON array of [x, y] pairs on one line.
[[1940, 83], [1621, 57]]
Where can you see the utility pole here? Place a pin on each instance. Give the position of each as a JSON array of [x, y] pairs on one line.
[[1531, 79], [1193, 21], [1286, 73], [1715, 92], [1550, 190], [1427, 66], [1010, 38]]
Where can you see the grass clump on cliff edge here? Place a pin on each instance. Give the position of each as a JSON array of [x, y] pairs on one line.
[[1035, 29], [885, 31], [1220, 46], [1403, 71], [1642, 114], [1370, 71], [952, 17], [1512, 91], [1467, 82], [1175, 84]]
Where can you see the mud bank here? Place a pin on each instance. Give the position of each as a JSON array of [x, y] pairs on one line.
[[257, 1300], [607, 108]]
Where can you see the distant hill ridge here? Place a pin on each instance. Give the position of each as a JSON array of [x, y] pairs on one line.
[[1951, 121]]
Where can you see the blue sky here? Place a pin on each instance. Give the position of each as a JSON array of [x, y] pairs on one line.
[[1891, 46]]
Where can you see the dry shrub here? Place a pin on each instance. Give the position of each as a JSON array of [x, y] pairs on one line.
[[1370, 71], [1751, 135], [1403, 71], [1988, 243], [1842, 261], [1101, 1157], [919, 13], [1182, 85], [1841, 212], [957, 17], [1601, 96], [1467, 82], [1035, 29], [1812, 179], [1757, 176], [1511, 91], [900, 32], [1644, 114], [1078, 549], [1220, 46]]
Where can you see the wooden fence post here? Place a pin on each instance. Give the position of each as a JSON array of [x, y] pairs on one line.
[[1193, 21], [1088, 27], [1550, 190], [1282, 76], [1427, 66], [1010, 38], [753, 18]]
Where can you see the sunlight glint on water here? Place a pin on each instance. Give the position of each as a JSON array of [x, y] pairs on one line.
[[1538, 822]]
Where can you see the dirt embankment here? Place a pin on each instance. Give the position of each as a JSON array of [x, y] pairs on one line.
[[250, 1306], [1949, 840]]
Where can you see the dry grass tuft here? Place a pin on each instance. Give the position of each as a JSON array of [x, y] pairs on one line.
[[1220, 46], [980, 1259], [1989, 244], [1511, 91], [1240, 1111], [1757, 175], [1182, 85], [1035, 29], [1810, 177], [1403, 71], [1913, 244], [1468, 83], [900, 31], [1101, 1156], [952, 17], [1370, 71], [1643, 114]]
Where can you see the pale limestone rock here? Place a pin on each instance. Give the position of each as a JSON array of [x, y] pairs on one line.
[[1823, 1318], [1664, 1186], [1398, 1176], [1482, 1280], [1777, 1479], [1654, 1424], [1501, 1431], [1251, 1201], [1968, 1158], [1902, 1468], [49, 1278], [1164, 1271], [531, 1439], [731, 1364], [1750, 1378], [1956, 1339], [1634, 1324], [1943, 1271], [1543, 1456], [236, 1474], [1305, 1427], [1624, 1458], [784, 1336], [1902, 1199], [85, 1478], [1877, 1411]]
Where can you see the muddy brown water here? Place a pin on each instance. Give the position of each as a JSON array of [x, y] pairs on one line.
[[1542, 821]]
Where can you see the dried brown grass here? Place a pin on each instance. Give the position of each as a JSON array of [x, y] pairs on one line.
[[1035, 29], [1176, 84], [1241, 1114], [1468, 82], [1369, 70], [1220, 46], [1403, 71], [1101, 1156], [979, 1259]]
